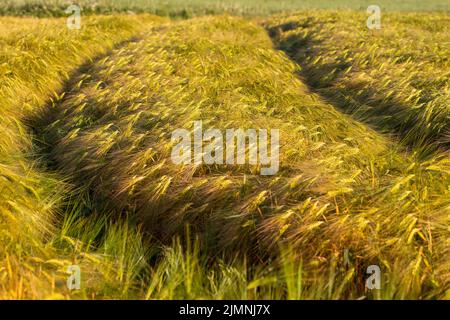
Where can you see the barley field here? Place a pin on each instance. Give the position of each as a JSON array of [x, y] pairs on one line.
[[87, 176]]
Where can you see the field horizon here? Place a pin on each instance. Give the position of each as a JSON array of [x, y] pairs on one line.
[[188, 9]]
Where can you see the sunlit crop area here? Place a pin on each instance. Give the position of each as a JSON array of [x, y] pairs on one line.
[[87, 179]]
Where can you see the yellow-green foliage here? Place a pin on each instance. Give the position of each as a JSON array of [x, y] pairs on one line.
[[396, 78], [341, 185], [36, 57]]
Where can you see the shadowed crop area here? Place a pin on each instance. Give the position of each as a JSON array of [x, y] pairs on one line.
[[88, 177]]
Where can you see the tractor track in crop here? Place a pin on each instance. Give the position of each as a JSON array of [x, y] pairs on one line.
[[362, 108]]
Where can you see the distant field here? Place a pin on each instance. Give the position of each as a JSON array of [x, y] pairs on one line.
[[200, 7]]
